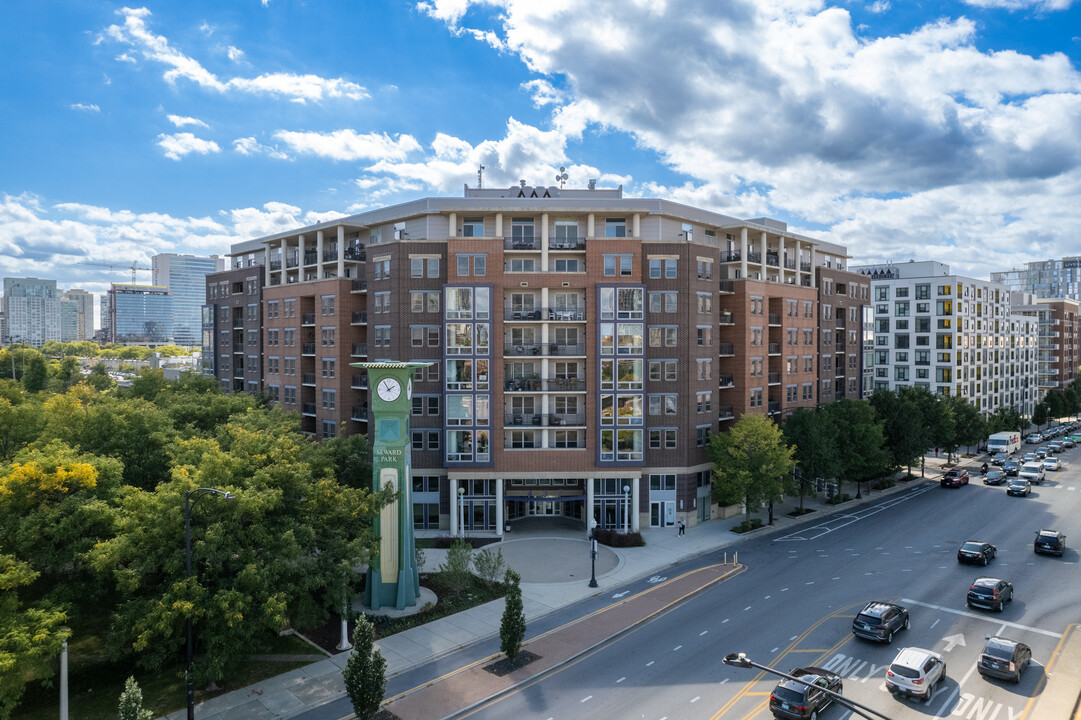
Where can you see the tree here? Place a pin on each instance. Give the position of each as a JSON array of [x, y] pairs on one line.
[[862, 453], [131, 703], [20, 424], [903, 431], [1040, 414], [30, 637], [512, 626], [935, 416], [99, 378], [489, 565], [814, 440], [752, 462], [969, 426], [455, 569], [36, 372], [1057, 404], [351, 459], [365, 672]]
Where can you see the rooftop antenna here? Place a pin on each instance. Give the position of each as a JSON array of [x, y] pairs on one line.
[[561, 176], [480, 177]]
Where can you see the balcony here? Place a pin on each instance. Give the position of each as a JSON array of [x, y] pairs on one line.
[[522, 384], [551, 349], [726, 349], [726, 412], [528, 419], [563, 384], [275, 264], [775, 319], [311, 257], [238, 347], [726, 381], [726, 318], [307, 378], [359, 382], [359, 317], [356, 252], [773, 378], [330, 255], [567, 243], [308, 349], [308, 408], [773, 259], [359, 413], [805, 266], [359, 350], [292, 260], [359, 285], [727, 286], [730, 256], [774, 348], [754, 257], [521, 243], [774, 407], [307, 319], [562, 419], [789, 264]]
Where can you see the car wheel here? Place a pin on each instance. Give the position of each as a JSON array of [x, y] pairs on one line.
[[906, 623], [889, 637], [986, 560], [1001, 604], [814, 715]]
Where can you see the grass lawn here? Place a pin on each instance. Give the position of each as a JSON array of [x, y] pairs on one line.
[[94, 684]]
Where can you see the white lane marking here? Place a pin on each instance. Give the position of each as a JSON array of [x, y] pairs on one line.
[[1017, 626], [703, 633], [746, 608], [784, 589], [767, 597], [650, 663], [774, 650], [809, 583], [724, 621], [694, 700], [587, 698], [620, 680], [955, 691], [677, 647], [837, 578], [793, 638], [936, 622]]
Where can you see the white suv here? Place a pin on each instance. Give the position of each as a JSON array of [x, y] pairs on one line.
[[915, 672]]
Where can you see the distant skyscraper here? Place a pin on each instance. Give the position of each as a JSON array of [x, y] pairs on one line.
[[1045, 278], [104, 321], [140, 315], [185, 277], [69, 320], [32, 309], [84, 316]]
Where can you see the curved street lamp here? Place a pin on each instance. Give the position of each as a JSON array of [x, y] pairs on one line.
[[190, 498], [741, 660], [593, 553]]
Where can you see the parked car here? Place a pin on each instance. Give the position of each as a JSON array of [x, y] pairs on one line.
[[880, 620], [1018, 486], [1011, 467], [994, 476], [990, 593], [1033, 472], [1051, 542], [797, 701], [1051, 463], [955, 478], [974, 551], [1004, 658], [915, 672]]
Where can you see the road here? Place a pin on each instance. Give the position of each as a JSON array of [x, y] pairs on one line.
[[794, 607]]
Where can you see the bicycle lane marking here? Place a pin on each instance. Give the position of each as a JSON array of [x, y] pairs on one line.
[[816, 531]]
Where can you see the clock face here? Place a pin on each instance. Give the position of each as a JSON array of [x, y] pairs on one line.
[[389, 389]]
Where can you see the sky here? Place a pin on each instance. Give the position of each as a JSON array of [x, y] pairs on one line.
[[946, 131]]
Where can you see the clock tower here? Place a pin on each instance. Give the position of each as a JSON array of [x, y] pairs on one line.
[[393, 579]]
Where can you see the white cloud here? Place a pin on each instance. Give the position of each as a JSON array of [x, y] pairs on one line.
[[156, 48], [349, 145], [1040, 5], [178, 145], [251, 146], [235, 54], [181, 121], [85, 108], [879, 6]]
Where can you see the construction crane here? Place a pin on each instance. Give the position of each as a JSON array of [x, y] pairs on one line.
[[133, 267]]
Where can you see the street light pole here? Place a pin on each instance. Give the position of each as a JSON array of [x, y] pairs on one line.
[[461, 511], [626, 510], [190, 498], [741, 660], [592, 553]]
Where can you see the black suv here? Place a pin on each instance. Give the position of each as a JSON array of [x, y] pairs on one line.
[[1003, 658], [990, 593], [1012, 467], [795, 701], [976, 552], [1050, 541], [879, 620]]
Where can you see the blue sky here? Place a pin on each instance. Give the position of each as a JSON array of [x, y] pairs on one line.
[[946, 130]]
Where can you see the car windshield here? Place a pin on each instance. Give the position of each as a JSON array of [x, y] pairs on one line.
[[788, 694], [977, 590], [996, 650], [868, 619], [972, 547], [904, 671], [1048, 536]]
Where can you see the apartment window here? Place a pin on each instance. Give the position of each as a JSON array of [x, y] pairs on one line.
[[382, 336], [662, 438], [705, 368], [808, 391], [327, 336], [793, 336], [421, 266], [793, 308], [382, 302], [756, 337], [424, 301], [705, 335], [328, 367], [521, 229], [662, 267], [663, 404], [272, 309], [900, 373], [290, 335], [272, 338], [326, 304], [901, 309], [615, 227], [479, 265], [923, 292], [289, 395], [662, 370], [808, 364], [618, 265], [701, 435], [566, 232], [272, 365], [703, 402], [273, 393], [808, 337], [329, 399], [290, 366], [808, 309], [757, 306], [289, 308], [705, 303], [330, 429], [756, 398], [566, 265], [473, 227], [882, 292], [705, 269], [663, 336], [791, 393], [663, 302], [521, 265], [381, 268], [756, 367]]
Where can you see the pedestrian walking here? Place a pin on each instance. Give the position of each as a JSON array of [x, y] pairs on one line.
[[682, 527]]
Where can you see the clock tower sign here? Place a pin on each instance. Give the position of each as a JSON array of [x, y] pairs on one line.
[[393, 579]]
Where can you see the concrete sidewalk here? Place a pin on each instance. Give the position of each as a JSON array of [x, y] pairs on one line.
[[289, 694]]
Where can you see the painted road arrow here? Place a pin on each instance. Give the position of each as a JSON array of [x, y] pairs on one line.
[[953, 641]]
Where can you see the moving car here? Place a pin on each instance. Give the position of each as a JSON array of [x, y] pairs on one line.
[[1051, 542], [1051, 463], [1033, 438], [1011, 467], [1033, 472], [974, 551], [879, 620], [1004, 658], [1018, 486], [1056, 446], [990, 593], [915, 672], [955, 478], [796, 701], [994, 477], [1068, 442], [1029, 457], [1043, 451]]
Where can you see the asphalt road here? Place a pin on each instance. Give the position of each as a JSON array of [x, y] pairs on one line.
[[794, 607]]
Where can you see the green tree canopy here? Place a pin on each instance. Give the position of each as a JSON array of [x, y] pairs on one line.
[[814, 439], [904, 434], [752, 462], [969, 426], [37, 372], [862, 453]]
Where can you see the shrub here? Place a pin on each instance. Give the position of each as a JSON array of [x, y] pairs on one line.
[[611, 538], [365, 672], [838, 499], [883, 484], [455, 570], [748, 525], [512, 627], [131, 703], [489, 565]]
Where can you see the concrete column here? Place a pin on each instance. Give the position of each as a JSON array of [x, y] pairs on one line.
[[589, 503], [814, 283], [591, 225], [635, 485], [341, 251], [544, 242], [799, 259], [499, 225], [454, 507], [780, 256], [743, 252], [318, 254], [500, 521], [764, 270], [636, 226], [452, 222], [266, 268]]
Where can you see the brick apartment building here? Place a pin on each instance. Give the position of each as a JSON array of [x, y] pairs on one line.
[[583, 345]]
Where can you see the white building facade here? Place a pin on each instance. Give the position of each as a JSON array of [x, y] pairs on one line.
[[32, 310], [952, 335]]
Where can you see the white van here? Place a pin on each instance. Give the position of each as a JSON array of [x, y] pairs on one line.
[[1004, 442], [1033, 472]]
